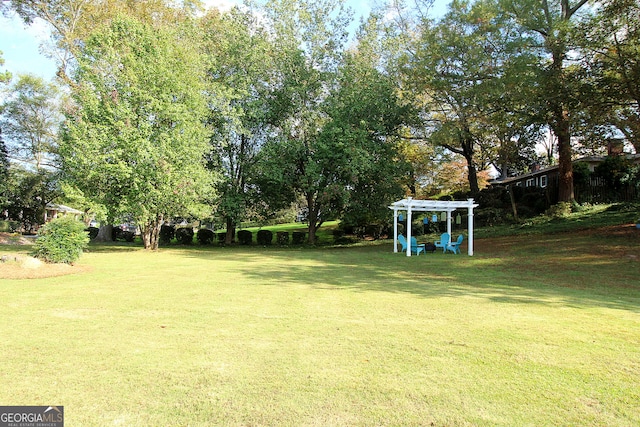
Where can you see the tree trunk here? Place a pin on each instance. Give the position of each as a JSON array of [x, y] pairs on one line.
[[151, 233], [313, 218], [473, 178], [466, 144], [513, 202], [231, 231], [565, 165], [560, 123], [105, 234]]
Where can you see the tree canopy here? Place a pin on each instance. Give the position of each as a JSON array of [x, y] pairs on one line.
[[135, 137], [175, 110]]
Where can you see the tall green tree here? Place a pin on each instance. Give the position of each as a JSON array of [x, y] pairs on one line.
[[5, 77], [610, 48], [337, 142], [72, 21], [240, 74], [454, 68], [309, 39], [30, 120], [136, 137], [363, 138], [4, 176], [548, 26]]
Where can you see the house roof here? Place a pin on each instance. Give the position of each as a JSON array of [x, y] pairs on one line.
[[589, 159], [63, 208]]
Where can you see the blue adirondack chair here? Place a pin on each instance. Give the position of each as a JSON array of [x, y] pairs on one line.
[[455, 246], [415, 247], [444, 241]]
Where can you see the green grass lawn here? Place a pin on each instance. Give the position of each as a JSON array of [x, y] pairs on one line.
[[539, 330]]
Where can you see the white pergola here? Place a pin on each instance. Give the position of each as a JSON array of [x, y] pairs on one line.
[[411, 205]]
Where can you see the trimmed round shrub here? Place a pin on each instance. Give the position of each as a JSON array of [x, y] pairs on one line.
[[205, 236], [265, 237], [245, 237], [282, 237], [298, 237], [184, 235], [341, 238], [93, 232], [115, 233], [167, 232], [61, 241], [127, 236]]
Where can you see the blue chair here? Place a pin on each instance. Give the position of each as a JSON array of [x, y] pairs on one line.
[[415, 247], [444, 241], [455, 246]]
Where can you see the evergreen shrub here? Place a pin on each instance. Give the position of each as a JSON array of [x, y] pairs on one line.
[[167, 232], [93, 232], [61, 240], [282, 237], [245, 237], [115, 233], [205, 236], [184, 235], [265, 237], [298, 237]]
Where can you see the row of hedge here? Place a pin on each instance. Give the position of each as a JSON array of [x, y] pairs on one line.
[[184, 236]]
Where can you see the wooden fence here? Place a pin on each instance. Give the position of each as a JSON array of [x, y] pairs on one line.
[[596, 191]]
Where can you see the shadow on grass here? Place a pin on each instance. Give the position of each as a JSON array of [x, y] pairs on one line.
[[549, 277]]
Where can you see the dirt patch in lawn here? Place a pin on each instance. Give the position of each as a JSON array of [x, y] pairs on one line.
[[14, 239], [26, 267]]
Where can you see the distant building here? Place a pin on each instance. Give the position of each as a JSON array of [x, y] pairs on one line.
[[542, 177], [54, 211]]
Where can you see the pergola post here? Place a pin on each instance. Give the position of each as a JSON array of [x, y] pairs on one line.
[[470, 227], [395, 230], [409, 228]]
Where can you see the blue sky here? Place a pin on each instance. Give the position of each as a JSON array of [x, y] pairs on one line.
[[21, 50]]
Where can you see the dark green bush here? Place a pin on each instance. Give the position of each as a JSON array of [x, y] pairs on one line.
[[221, 238], [93, 232], [61, 240], [298, 237], [375, 230], [265, 237], [282, 237], [167, 232], [115, 233], [341, 238], [245, 237], [489, 216], [9, 226], [559, 210], [205, 236], [184, 235]]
